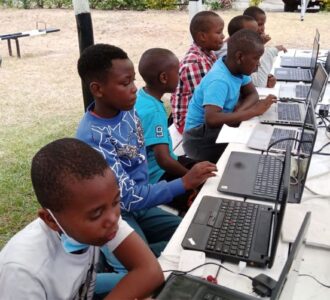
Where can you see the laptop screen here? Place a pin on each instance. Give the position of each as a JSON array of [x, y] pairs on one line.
[[318, 85], [284, 285], [327, 63], [282, 197], [315, 52]]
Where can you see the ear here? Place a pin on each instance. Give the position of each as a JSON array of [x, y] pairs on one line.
[[48, 219], [239, 57], [163, 77], [96, 89], [201, 37]]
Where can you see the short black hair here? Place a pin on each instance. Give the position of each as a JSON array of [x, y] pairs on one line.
[[253, 11], [60, 161], [244, 40], [237, 23], [153, 62], [201, 22], [96, 60]]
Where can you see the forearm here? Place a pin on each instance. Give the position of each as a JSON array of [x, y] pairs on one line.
[[248, 102], [137, 284], [220, 118], [172, 166]]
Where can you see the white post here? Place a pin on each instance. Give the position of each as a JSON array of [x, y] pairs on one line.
[[194, 7], [85, 35]]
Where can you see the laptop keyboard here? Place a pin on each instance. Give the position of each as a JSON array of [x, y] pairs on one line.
[[300, 61], [280, 133], [307, 143], [232, 235], [299, 74], [302, 90], [268, 176], [288, 112]]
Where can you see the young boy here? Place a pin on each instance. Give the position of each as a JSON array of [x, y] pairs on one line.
[[206, 29], [247, 22], [55, 256], [159, 69], [225, 95], [262, 77], [112, 127]]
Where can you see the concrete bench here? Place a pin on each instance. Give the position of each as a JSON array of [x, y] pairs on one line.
[[17, 35]]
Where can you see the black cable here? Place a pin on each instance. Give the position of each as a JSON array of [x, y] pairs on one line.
[[325, 145], [205, 264], [279, 141], [318, 281]]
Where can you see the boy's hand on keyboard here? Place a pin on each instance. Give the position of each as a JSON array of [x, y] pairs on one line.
[[198, 174], [261, 106]]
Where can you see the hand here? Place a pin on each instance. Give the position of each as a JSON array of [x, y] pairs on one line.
[[198, 174], [265, 38], [281, 48], [271, 81], [262, 105]]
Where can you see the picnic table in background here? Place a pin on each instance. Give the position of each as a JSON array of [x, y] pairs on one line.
[[17, 35]]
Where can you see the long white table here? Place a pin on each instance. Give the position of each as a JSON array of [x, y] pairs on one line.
[[315, 262]]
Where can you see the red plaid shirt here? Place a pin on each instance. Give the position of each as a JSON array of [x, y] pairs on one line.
[[193, 68]]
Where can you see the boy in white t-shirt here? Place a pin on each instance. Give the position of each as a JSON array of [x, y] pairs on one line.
[[56, 256]]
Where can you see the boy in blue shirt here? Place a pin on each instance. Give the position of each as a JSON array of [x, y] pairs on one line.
[[225, 95], [112, 127], [159, 69]]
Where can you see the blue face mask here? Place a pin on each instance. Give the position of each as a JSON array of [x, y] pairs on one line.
[[69, 244]]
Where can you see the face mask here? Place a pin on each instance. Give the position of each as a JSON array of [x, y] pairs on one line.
[[69, 244]]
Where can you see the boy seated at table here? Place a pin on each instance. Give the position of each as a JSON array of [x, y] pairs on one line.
[[56, 255], [159, 69], [206, 29], [226, 95], [263, 78]]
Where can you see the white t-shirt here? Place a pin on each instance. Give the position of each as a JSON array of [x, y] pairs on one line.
[[34, 265]]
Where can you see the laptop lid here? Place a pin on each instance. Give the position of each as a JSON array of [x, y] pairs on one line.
[[284, 286], [317, 89], [304, 155], [281, 199], [315, 52], [327, 63]]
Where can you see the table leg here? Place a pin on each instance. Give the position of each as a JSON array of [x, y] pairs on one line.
[[9, 48], [17, 48]]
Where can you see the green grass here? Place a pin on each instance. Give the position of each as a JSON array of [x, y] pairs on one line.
[[18, 205]]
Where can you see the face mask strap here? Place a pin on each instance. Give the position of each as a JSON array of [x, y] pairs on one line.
[[57, 223]]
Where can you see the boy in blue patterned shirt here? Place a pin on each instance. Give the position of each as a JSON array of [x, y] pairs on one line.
[[112, 127], [159, 69]]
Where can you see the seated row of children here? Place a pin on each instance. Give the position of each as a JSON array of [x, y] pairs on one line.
[[130, 171]]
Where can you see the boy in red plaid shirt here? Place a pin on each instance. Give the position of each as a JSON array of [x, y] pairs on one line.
[[206, 29]]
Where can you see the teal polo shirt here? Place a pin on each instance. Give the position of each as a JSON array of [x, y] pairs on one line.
[[153, 117]]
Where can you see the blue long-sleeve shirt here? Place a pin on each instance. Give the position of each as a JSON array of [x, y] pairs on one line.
[[120, 141]]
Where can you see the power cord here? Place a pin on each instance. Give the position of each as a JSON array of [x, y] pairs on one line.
[[318, 281], [205, 264]]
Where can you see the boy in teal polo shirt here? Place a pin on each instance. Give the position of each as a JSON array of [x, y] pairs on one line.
[[159, 69]]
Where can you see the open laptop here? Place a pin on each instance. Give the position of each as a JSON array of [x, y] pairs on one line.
[[276, 139], [289, 113], [302, 62], [300, 91], [237, 230], [187, 287], [298, 74]]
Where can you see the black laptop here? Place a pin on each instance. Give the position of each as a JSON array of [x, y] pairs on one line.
[[302, 62], [298, 74], [237, 230], [179, 286]]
